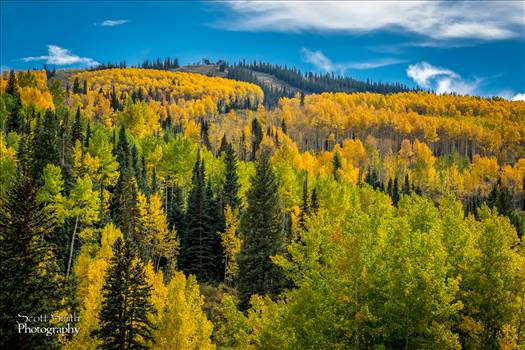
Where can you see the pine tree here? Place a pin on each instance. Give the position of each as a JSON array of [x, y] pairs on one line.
[[205, 137], [224, 145], [257, 133], [76, 87], [124, 315], [284, 127], [198, 244], [175, 209], [314, 202], [46, 143], [77, 133], [15, 120], [305, 207], [395, 192], [406, 185], [337, 164], [262, 236], [31, 283], [85, 89], [230, 193], [122, 150], [12, 84]]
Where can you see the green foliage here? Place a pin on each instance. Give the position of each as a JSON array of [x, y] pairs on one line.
[[126, 306], [31, 282], [262, 236]]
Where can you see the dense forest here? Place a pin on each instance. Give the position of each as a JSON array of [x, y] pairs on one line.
[[173, 210]]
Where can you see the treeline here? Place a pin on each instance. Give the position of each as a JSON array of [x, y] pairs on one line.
[[272, 94], [317, 83]]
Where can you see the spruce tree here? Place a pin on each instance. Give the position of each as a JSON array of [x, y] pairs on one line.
[[395, 192], [305, 206], [230, 193], [406, 185], [314, 202], [76, 87], [257, 133], [77, 133], [124, 315], [31, 282], [15, 120], [337, 164], [12, 85], [198, 244], [46, 143], [224, 145], [262, 236]]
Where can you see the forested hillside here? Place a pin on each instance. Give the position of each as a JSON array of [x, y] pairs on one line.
[[173, 210]]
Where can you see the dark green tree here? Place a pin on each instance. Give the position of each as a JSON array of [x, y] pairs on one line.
[[257, 133], [46, 143], [406, 185], [314, 202], [124, 314], [88, 135], [198, 243], [230, 192], [262, 234], [31, 282], [223, 146], [12, 84], [77, 132], [395, 192], [66, 154], [76, 87], [337, 164]]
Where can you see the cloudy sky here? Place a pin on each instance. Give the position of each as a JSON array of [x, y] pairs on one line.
[[475, 48]]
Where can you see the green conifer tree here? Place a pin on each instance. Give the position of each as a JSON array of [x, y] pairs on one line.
[[262, 236], [124, 315], [230, 193], [31, 282]]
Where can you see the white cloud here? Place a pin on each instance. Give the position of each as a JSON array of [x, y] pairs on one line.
[[518, 97], [440, 20], [441, 80], [321, 62], [61, 57], [113, 22]]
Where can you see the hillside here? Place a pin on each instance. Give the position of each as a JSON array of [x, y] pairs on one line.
[[343, 220]]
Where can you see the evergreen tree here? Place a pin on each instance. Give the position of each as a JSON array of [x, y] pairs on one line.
[[198, 244], [12, 85], [76, 87], [31, 283], [305, 206], [230, 193], [406, 185], [337, 164], [205, 137], [46, 143], [216, 214], [284, 127], [122, 150], [257, 136], [15, 120], [175, 207], [85, 89], [77, 133], [224, 145], [262, 236], [124, 314], [314, 202], [395, 192]]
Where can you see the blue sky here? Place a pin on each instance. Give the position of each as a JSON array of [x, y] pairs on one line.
[[475, 48]]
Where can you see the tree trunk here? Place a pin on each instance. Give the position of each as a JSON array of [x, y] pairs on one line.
[[71, 248]]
